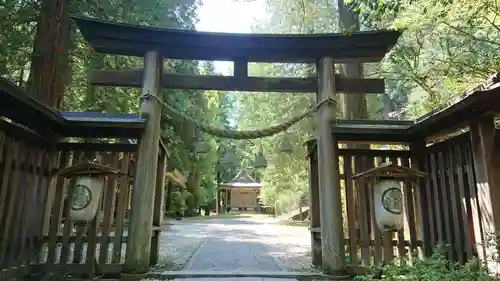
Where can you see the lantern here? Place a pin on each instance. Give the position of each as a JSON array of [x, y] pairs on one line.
[[286, 145], [88, 189], [385, 180], [260, 161], [388, 199], [200, 148], [228, 158], [86, 198]]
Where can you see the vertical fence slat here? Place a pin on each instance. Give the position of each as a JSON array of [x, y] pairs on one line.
[[29, 216], [401, 232], [458, 227], [437, 201], [123, 190], [44, 185], [350, 210], [7, 243], [364, 213], [463, 197], [444, 185], [387, 236], [17, 210], [24, 218], [11, 153], [368, 163], [410, 208], [3, 141], [41, 168], [80, 228], [55, 212], [107, 214], [91, 261], [474, 201], [159, 206], [68, 224], [432, 227]]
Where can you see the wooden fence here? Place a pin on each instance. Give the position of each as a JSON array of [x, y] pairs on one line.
[[24, 173], [367, 244], [34, 227], [449, 198], [440, 209]]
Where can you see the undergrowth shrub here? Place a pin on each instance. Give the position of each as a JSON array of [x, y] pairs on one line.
[[434, 268]]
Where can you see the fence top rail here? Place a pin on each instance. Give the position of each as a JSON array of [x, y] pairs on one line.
[[20, 108], [430, 127]]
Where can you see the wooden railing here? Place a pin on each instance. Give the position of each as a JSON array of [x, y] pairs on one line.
[[36, 233], [450, 198], [439, 210], [366, 243], [25, 168]]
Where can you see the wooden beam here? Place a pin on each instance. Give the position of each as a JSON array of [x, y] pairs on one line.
[[240, 68], [137, 259], [133, 78]]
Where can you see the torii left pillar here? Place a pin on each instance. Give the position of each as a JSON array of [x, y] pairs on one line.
[[137, 259], [332, 234]]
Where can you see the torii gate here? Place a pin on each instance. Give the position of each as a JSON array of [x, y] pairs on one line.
[[155, 44]]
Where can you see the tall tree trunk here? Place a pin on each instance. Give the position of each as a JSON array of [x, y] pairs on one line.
[[353, 106], [50, 61]]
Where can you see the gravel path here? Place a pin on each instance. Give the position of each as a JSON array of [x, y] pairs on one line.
[[254, 243]]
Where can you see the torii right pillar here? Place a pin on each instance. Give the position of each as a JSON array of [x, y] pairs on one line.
[[332, 235]]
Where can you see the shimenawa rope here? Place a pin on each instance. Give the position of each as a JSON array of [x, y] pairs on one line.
[[234, 134]]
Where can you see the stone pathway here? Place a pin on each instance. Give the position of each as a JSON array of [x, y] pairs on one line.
[[236, 279], [239, 252], [241, 245]]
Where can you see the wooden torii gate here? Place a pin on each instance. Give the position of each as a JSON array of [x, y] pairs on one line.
[[155, 44]]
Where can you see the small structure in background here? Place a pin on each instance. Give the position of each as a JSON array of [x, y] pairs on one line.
[[241, 193]]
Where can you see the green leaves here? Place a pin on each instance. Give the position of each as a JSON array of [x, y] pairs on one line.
[[447, 47]]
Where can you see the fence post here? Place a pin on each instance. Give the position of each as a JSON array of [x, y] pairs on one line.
[[486, 164]]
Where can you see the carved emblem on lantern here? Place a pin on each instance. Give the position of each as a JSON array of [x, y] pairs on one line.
[[386, 182]]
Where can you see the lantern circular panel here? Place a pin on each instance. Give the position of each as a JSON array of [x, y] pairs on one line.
[[392, 200], [82, 197]]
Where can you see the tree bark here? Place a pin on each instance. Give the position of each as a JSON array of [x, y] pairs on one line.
[[353, 106], [50, 61]]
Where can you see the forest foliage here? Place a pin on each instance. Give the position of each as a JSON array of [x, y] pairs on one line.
[[447, 47]]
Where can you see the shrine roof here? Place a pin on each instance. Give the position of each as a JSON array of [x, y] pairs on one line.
[[242, 180], [135, 40]]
